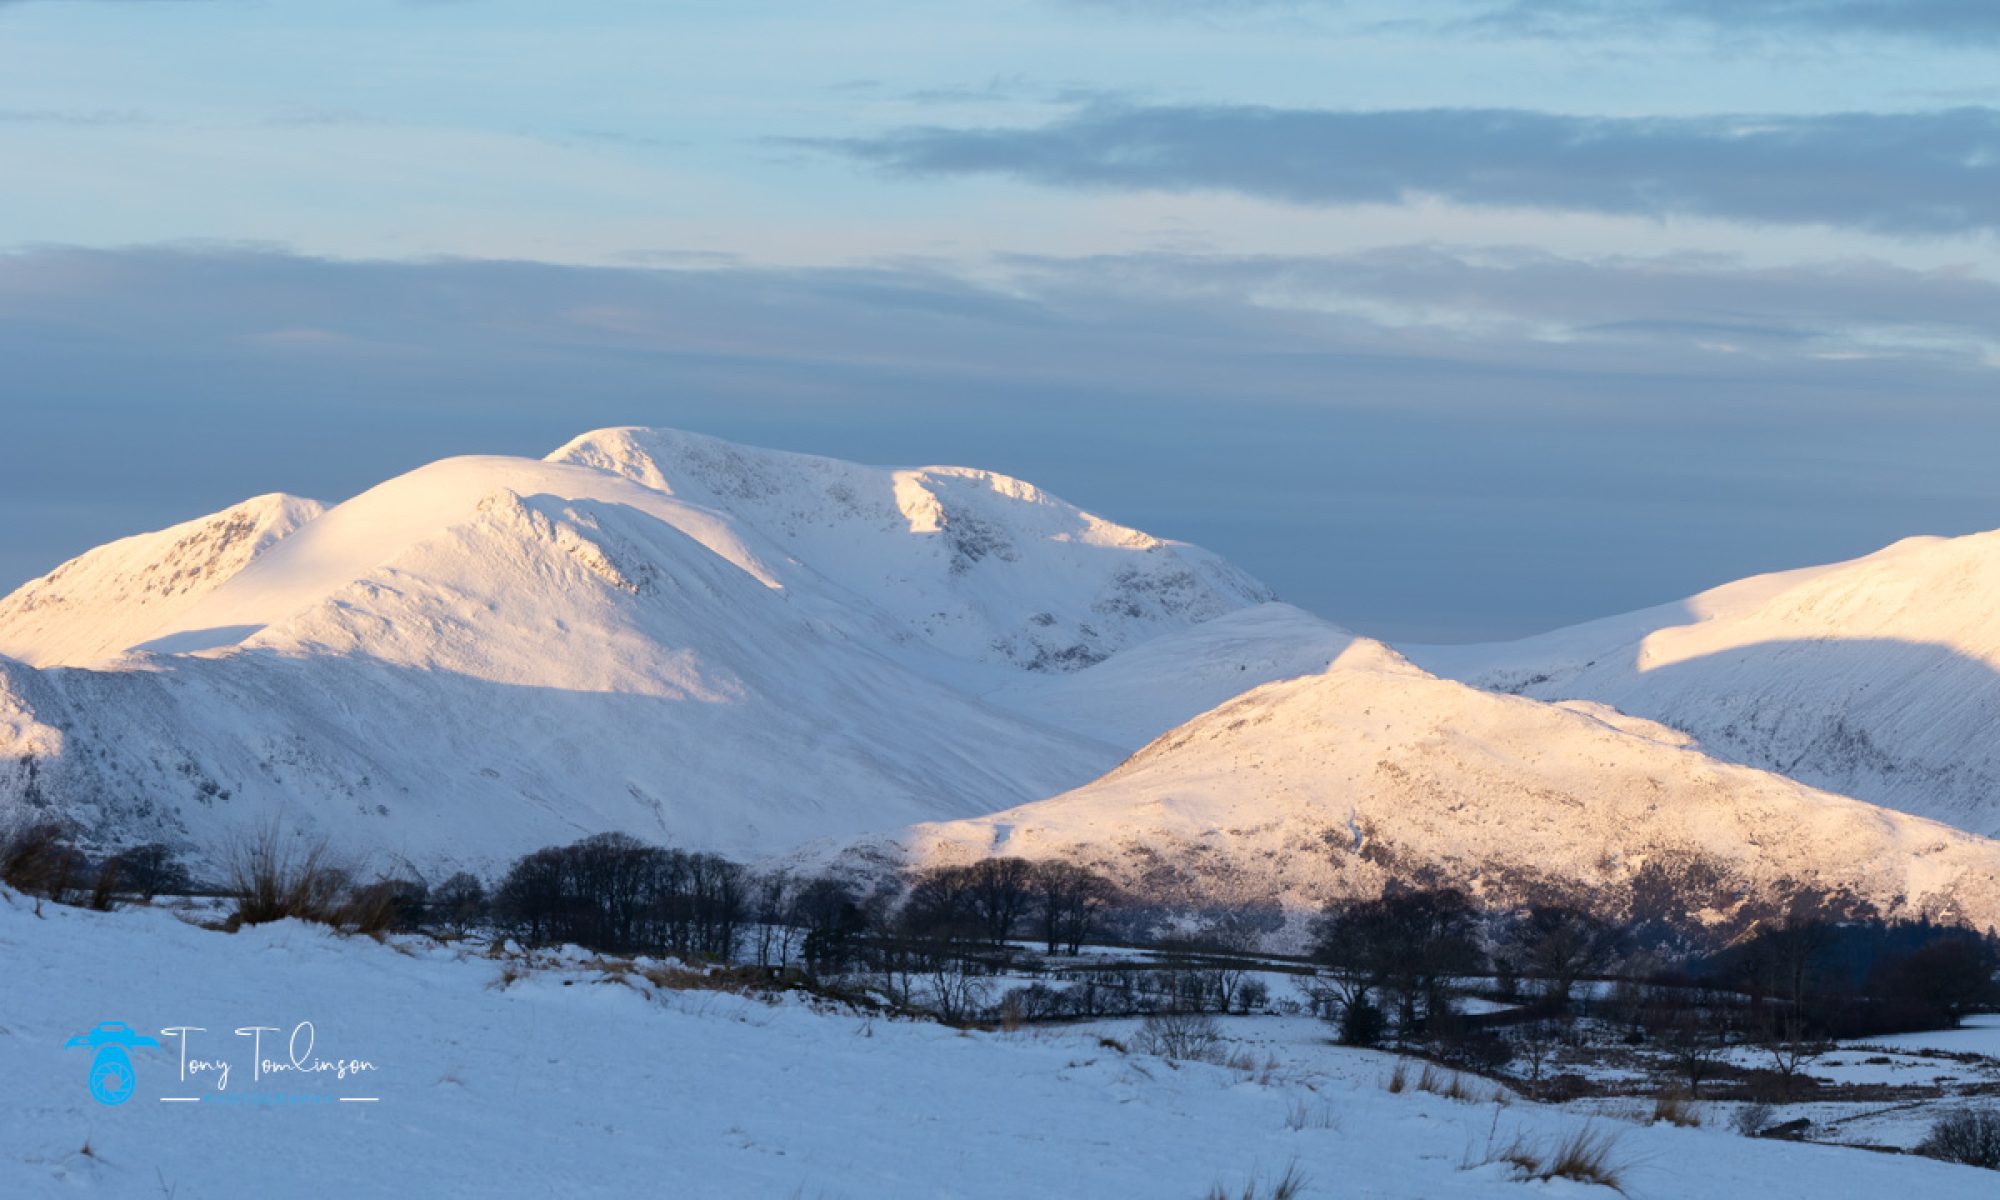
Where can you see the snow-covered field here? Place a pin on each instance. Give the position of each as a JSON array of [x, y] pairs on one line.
[[566, 1082], [1979, 1035]]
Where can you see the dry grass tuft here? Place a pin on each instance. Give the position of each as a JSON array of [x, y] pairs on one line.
[[1585, 1156], [1439, 1082], [1675, 1109], [1289, 1186]]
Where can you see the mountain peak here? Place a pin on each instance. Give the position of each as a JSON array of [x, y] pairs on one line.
[[96, 605], [1333, 785], [979, 564], [651, 631]]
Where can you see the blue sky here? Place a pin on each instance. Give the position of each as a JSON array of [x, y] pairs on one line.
[[1451, 320]]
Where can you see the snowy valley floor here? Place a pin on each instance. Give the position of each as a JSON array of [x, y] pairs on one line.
[[563, 1083]]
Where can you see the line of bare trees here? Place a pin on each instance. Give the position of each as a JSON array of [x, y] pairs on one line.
[[1393, 967]]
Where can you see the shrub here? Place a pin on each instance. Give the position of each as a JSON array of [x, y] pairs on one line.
[[1190, 1036], [1035, 1002], [1485, 1053], [1362, 1024], [152, 870], [37, 859], [1753, 1119], [1970, 1136], [274, 877], [387, 905], [104, 888]]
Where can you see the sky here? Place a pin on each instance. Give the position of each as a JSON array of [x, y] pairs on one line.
[[1451, 320]]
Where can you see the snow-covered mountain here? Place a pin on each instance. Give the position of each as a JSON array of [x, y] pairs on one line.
[[1332, 785], [98, 604], [1877, 678], [1135, 696], [652, 632], [980, 565]]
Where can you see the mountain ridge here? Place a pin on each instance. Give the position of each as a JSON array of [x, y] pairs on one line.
[[487, 654], [1878, 677], [1334, 786]]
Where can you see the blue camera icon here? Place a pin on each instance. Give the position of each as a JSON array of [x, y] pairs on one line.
[[112, 1078]]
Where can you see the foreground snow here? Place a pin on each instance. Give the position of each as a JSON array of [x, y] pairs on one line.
[[565, 1084]]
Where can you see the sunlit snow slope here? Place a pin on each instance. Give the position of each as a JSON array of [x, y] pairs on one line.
[[1334, 784], [653, 632], [1877, 678], [116, 596]]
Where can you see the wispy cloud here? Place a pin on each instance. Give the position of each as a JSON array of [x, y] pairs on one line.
[[1940, 20], [70, 116], [1896, 173], [1948, 21]]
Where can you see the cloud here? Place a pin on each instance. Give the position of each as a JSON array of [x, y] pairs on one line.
[[1897, 173], [69, 116], [1951, 21], [1505, 298], [1423, 441], [1954, 22]]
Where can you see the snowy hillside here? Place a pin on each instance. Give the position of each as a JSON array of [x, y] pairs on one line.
[[1877, 678], [1135, 696], [981, 565], [728, 649], [1331, 785], [574, 1080], [116, 596]]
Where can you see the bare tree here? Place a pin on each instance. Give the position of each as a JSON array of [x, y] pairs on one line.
[[772, 901], [831, 914], [955, 992], [940, 905], [1560, 946], [459, 903], [1536, 1043], [1790, 1050], [1406, 945], [1696, 1048], [1068, 901], [998, 893]]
